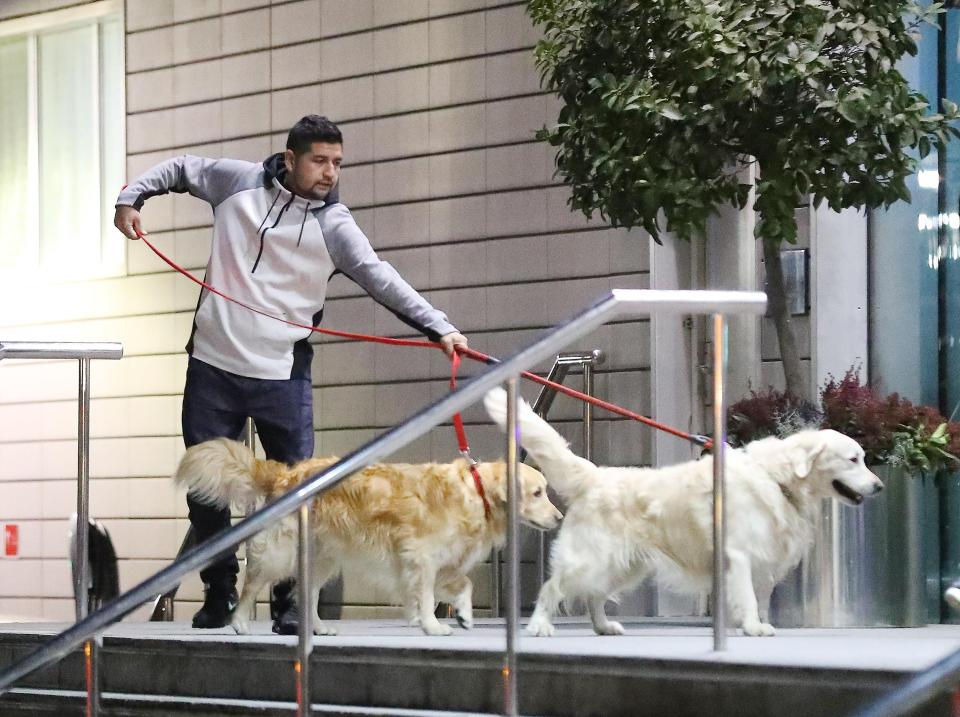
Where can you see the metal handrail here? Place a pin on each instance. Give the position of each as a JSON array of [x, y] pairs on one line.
[[618, 302], [541, 406], [84, 352], [60, 350], [916, 691]]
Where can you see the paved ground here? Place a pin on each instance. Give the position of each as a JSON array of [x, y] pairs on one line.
[[905, 649]]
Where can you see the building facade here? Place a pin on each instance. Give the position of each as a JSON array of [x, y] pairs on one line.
[[438, 101]]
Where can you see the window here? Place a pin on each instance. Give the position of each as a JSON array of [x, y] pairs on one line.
[[61, 142]]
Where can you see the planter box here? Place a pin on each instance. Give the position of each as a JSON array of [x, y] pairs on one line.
[[868, 565]]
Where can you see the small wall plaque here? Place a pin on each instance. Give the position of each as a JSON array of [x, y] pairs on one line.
[[794, 262]]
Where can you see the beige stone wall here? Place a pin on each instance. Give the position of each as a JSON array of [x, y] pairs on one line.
[[438, 101]]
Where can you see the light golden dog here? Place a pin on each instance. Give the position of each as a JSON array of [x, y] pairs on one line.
[[625, 523], [415, 530]]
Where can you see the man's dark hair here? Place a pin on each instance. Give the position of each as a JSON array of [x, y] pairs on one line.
[[310, 129]]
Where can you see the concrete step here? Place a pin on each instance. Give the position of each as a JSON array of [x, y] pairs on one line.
[[385, 668], [21, 702]]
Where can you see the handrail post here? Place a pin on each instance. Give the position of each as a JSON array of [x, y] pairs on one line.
[[250, 441], [563, 362], [513, 554], [305, 632], [588, 412], [719, 505], [82, 577]]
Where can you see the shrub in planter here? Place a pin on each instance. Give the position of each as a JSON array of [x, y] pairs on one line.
[[891, 429]]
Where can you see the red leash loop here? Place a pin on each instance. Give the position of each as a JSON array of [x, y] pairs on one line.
[[699, 440], [254, 309]]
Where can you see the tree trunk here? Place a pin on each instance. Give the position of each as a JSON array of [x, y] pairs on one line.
[[777, 307]]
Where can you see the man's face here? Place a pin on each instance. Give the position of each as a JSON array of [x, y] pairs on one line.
[[315, 172]]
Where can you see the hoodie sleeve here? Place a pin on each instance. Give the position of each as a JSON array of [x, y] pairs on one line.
[[212, 180], [352, 255]]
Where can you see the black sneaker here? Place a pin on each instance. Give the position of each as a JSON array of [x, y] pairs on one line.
[[218, 604], [287, 621]]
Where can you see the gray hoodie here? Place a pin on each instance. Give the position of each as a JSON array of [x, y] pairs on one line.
[[277, 251]]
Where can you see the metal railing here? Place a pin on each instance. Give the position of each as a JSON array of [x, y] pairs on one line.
[[586, 360], [916, 691], [617, 303], [83, 352]]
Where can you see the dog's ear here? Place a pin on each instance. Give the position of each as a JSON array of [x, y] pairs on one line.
[[805, 454], [497, 485]]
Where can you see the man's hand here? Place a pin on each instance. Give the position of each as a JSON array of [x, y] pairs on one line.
[[451, 341], [127, 220]]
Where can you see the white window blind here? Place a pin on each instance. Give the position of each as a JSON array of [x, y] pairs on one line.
[[62, 149]]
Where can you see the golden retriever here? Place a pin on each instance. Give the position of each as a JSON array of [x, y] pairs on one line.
[[416, 530], [624, 523]]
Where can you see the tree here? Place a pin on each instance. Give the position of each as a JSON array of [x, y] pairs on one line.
[[663, 101]]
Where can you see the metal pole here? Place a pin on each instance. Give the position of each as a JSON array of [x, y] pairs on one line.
[[305, 645], [250, 441], [495, 610], [588, 412], [919, 689], [81, 592], [513, 554], [719, 507]]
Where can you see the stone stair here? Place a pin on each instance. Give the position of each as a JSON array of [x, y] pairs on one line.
[[393, 671]]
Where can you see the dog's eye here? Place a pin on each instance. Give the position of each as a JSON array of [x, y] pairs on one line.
[[855, 459], [538, 492]]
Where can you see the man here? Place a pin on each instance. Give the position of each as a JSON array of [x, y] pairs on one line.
[[279, 235]]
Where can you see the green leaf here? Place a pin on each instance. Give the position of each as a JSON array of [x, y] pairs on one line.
[[670, 112]]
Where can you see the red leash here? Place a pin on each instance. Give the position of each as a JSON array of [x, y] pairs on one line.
[[697, 439], [462, 439]]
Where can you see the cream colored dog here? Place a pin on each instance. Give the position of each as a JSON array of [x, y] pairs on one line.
[[624, 523], [415, 530]]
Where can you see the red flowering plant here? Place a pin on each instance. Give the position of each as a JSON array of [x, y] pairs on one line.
[[891, 429], [769, 413]]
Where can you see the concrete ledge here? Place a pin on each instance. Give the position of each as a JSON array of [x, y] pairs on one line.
[[659, 668]]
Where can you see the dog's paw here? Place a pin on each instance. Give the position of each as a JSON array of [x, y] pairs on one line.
[[758, 629], [465, 619], [437, 628], [611, 627], [538, 628], [240, 627], [322, 628]]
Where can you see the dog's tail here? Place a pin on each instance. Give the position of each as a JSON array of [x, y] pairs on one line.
[[568, 473], [220, 472]]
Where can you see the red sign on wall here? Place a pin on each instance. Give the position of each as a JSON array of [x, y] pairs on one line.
[[11, 540]]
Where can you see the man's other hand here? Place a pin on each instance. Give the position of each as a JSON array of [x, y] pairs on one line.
[[451, 341], [127, 220]]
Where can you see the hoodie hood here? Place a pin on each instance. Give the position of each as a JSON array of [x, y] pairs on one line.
[[275, 168]]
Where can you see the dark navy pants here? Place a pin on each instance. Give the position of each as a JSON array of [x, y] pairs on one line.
[[216, 404]]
